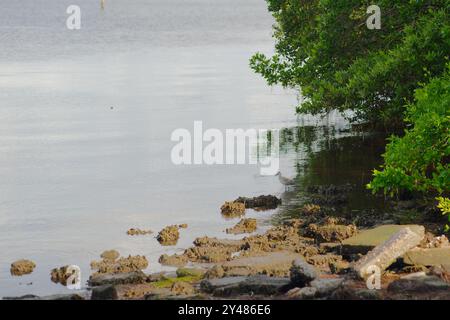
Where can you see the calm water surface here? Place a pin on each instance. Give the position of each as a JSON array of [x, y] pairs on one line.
[[86, 118]]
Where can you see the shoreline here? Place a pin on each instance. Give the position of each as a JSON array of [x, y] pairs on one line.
[[264, 265]]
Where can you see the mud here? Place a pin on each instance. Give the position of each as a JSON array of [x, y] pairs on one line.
[[22, 267], [243, 226]]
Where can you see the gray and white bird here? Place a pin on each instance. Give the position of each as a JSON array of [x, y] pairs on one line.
[[287, 182]]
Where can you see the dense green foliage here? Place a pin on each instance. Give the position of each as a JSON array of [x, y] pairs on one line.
[[325, 48], [394, 76], [420, 159]]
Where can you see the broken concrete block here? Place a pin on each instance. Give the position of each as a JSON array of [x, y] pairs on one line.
[[383, 255]]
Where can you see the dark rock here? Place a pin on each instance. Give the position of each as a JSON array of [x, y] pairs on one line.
[[326, 287], [330, 194], [260, 203], [118, 278], [302, 273], [305, 293], [417, 285], [253, 285], [24, 297], [345, 292], [72, 296], [106, 292], [209, 285]]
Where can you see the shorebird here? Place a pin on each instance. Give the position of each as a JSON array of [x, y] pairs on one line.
[[285, 181], [102, 4]]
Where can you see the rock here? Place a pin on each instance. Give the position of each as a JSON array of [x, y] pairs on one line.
[[233, 209], [243, 226], [367, 294], [302, 273], [310, 209], [173, 260], [111, 255], [347, 291], [190, 272], [253, 285], [122, 265], [428, 257], [415, 275], [260, 203], [430, 241], [329, 194], [417, 285], [442, 272], [366, 240], [60, 275], [326, 287], [116, 279], [24, 297], [276, 264], [138, 232], [210, 285], [385, 254], [323, 260], [331, 232], [329, 246], [182, 288], [339, 266], [21, 267], [106, 292], [263, 285], [159, 276], [305, 293], [168, 236], [72, 296], [215, 272]]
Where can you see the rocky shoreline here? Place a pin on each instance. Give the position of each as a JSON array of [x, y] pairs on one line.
[[312, 256]]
